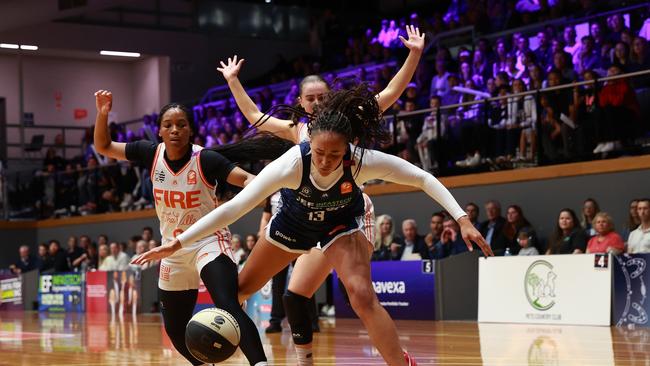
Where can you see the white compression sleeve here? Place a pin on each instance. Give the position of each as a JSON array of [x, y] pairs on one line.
[[284, 172], [378, 165]]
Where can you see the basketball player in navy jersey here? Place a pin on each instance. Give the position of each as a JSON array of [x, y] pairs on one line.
[[322, 204], [184, 178], [312, 269]]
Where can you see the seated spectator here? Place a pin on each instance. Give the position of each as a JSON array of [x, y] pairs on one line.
[[562, 63], [433, 132], [492, 228], [524, 112], [472, 128], [450, 243], [543, 52], [568, 237], [515, 221], [588, 58], [639, 239], [384, 238], [585, 113], [452, 96], [551, 126], [26, 262], [589, 210], [527, 242], [621, 57], [436, 229], [606, 239], [473, 213], [640, 60], [633, 220], [147, 233], [140, 247], [237, 251], [620, 112], [411, 246], [571, 47], [439, 83], [117, 260], [59, 258], [44, 260], [251, 240], [84, 242], [102, 253], [409, 128], [500, 64], [89, 261], [73, 252]]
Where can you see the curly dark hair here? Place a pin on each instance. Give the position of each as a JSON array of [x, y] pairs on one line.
[[352, 112]]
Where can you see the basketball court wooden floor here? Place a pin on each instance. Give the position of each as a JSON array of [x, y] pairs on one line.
[[31, 338]]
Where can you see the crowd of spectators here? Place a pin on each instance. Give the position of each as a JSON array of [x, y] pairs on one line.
[[82, 254], [572, 124], [591, 232]]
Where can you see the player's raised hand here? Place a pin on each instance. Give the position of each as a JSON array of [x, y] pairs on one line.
[[231, 69], [103, 101], [158, 253], [415, 42]]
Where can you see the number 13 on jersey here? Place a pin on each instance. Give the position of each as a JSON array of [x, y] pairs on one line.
[[316, 215]]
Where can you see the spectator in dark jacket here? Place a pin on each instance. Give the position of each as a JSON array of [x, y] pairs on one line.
[[492, 228], [26, 262], [59, 258], [451, 242], [410, 244], [568, 237]]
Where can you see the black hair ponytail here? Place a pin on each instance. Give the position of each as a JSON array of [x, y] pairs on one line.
[[354, 113], [254, 147]]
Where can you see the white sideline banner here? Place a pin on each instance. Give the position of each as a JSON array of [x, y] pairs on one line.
[[555, 289]]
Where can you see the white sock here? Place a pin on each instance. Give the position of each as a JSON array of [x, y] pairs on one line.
[[305, 356], [263, 363]]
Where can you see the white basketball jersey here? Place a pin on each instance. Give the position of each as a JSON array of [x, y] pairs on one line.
[[183, 198]]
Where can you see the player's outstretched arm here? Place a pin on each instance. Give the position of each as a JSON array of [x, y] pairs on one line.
[[279, 127], [102, 137], [415, 43], [378, 165], [278, 174]]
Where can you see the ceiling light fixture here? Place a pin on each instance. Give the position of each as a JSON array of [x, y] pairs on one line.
[[119, 53]]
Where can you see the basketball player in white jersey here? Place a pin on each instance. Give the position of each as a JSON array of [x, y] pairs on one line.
[[184, 178], [312, 269]]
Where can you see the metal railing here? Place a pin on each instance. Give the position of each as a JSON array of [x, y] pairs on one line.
[[491, 104]]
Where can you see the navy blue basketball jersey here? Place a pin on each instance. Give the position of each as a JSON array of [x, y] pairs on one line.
[[310, 204], [309, 215]]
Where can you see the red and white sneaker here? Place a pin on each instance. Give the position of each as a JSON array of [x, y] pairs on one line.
[[410, 361]]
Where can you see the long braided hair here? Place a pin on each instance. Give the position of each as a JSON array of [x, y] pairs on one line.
[[352, 112]]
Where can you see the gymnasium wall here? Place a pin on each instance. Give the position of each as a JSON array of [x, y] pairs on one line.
[[193, 56], [541, 201], [54, 87]]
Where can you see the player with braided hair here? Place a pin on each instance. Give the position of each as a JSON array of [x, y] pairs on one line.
[[322, 205], [311, 270]]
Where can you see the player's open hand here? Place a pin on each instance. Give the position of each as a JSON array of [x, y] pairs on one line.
[[103, 101], [471, 235], [158, 253], [231, 69], [415, 42]]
